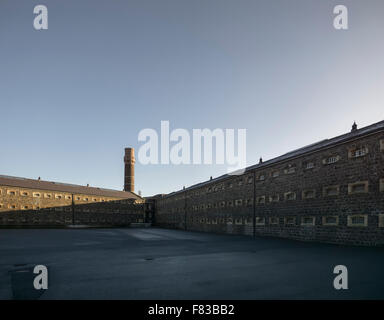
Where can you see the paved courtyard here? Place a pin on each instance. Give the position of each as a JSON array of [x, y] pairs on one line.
[[171, 264]]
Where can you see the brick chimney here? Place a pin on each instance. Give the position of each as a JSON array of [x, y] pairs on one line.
[[129, 170]]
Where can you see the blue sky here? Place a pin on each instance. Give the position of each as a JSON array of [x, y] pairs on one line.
[[73, 96]]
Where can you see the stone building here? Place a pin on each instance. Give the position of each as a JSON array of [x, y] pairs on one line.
[[25, 202], [330, 191]]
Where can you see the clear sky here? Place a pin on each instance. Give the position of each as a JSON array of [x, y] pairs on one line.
[[73, 96]]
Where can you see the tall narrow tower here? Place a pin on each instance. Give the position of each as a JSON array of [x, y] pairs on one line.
[[129, 170]]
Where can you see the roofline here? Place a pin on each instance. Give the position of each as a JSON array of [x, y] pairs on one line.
[[58, 184], [291, 155]]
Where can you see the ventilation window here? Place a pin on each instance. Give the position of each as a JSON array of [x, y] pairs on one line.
[[37, 195], [309, 194], [68, 197], [47, 195], [24, 193], [358, 187], [58, 196], [260, 200], [330, 220], [260, 221], [308, 221], [290, 196], [331, 191], [273, 220], [290, 220], [358, 220]]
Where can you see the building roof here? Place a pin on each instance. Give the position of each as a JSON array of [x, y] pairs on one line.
[[63, 187], [321, 145]]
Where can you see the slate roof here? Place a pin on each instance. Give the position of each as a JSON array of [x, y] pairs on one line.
[[63, 187]]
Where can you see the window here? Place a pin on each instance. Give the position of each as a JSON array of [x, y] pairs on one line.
[[24, 193], [250, 179], [309, 165], [357, 220], [358, 152], [58, 196], [308, 221], [12, 206], [331, 191], [274, 220], [37, 195], [240, 182], [290, 220], [230, 203], [274, 198], [238, 202], [86, 199], [11, 192], [381, 220], [275, 174], [47, 195], [68, 197], [249, 202], [260, 200], [309, 194], [331, 159], [24, 207], [238, 221], [222, 204], [1, 205], [78, 198], [36, 208], [330, 220], [382, 145], [358, 187], [381, 185], [262, 177], [290, 196], [290, 169], [260, 221]]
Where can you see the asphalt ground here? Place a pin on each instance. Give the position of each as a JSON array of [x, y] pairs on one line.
[[151, 263]]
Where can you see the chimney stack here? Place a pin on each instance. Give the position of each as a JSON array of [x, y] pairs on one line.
[[129, 170]]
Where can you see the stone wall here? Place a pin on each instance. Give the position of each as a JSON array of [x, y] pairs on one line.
[[34, 207], [334, 194]]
